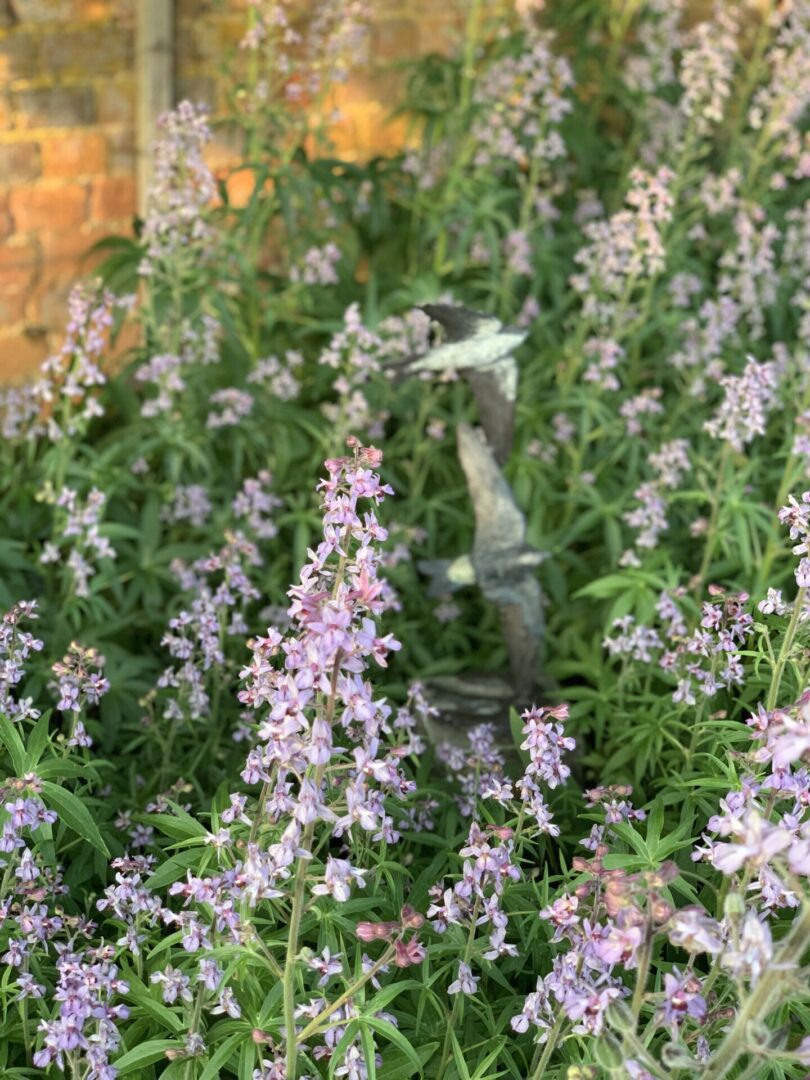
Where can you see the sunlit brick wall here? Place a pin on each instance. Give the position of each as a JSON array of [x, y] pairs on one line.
[[67, 131]]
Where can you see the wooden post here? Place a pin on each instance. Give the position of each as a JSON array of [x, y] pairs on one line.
[[154, 60]]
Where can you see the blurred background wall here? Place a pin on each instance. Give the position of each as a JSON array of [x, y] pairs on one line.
[[71, 78]]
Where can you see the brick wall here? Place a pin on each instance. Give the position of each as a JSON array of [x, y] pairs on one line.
[[67, 132]]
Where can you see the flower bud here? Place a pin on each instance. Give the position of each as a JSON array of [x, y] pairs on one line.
[[620, 1017], [734, 906], [410, 918], [369, 931], [676, 1056], [608, 1052]]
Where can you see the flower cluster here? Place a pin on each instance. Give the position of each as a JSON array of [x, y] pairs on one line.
[[748, 399], [649, 517], [748, 268], [607, 922], [255, 504], [221, 590], [80, 534], [232, 406], [85, 1030], [657, 40], [279, 375], [521, 101], [478, 769], [318, 266], [706, 70], [190, 502], [16, 645], [183, 185], [703, 662], [65, 398], [80, 684], [476, 899], [626, 248], [356, 353]]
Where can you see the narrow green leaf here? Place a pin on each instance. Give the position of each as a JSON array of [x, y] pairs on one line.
[[458, 1057], [398, 1066], [37, 741], [145, 1054], [174, 868], [74, 814], [10, 738], [221, 1055], [393, 1035]]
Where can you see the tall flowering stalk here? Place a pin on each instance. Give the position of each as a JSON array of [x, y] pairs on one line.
[[318, 692]]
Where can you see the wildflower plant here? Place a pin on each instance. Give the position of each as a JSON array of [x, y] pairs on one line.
[[237, 837]]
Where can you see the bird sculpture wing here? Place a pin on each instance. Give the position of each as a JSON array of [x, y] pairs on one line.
[[461, 323], [479, 347], [495, 392], [499, 523], [504, 565]]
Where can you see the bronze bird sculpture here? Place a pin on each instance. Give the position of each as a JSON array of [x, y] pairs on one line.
[[479, 347]]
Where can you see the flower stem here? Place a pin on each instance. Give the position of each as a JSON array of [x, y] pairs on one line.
[[784, 652], [296, 912], [642, 969], [539, 1071], [712, 532], [459, 998], [759, 1001], [313, 1026]]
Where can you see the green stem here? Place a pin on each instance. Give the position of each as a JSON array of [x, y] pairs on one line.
[[314, 1026], [458, 1003], [461, 158], [714, 518], [643, 968], [759, 1001], [539, 1070], [784, 652], [190, 1068]]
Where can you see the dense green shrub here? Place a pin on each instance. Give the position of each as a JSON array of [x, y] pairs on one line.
[[216, 828]]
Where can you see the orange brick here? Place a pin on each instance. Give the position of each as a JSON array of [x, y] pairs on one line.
[[5, 113], [18, 270], [116, 102], [54, 106], [18, 257], [92, 10], [73, 245], [19, 162], [113, 198], [240, 186], [48, 208], [6, 222], [18, 56], [76, 154], [20, 356], [14, 293], [47, 304]]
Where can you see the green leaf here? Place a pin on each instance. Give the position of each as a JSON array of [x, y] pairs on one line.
[[139, 994], [74, 814], [458, 1057], [175, 826], [393, 1035], [174, 868], [223, 1052], [146, 1054], [10, 738], [368, 1052], [398, 1066], [37, 741]]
